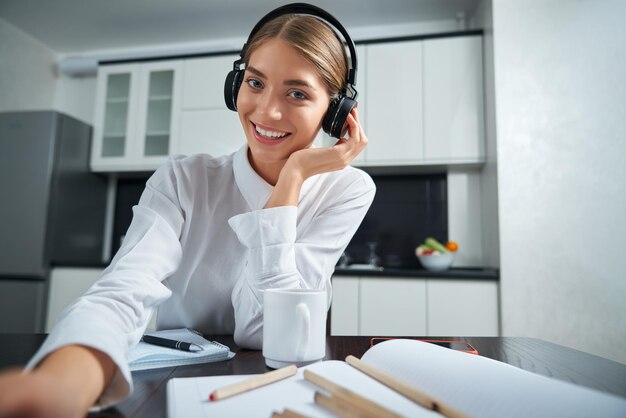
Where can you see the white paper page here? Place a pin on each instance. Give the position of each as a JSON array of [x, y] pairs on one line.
[[188, 397], [482, 387]]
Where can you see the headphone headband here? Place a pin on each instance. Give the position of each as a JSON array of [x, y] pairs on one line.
[[306, 9]]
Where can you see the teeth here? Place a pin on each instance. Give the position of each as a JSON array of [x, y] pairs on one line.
[[270, 134]]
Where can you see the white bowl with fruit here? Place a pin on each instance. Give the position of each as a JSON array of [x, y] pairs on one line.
[[435, 256]]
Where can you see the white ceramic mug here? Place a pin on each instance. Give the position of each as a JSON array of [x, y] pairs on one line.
[[294, 326]]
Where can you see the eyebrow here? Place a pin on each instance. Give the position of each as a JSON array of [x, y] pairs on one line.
[[300, 83]]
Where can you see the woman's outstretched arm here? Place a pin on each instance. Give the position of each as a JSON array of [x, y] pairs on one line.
[[66, 384]]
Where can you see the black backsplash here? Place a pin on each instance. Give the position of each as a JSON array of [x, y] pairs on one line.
[[406, 210], [128, 194]]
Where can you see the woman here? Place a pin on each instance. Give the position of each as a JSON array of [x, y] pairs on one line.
[[210, 234]]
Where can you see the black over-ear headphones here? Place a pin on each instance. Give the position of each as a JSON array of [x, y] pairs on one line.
[[341, 106]]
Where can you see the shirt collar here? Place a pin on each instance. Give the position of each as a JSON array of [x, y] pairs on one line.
[[254, 189]]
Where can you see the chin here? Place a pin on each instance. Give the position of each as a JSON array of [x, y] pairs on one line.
[[267, 154]]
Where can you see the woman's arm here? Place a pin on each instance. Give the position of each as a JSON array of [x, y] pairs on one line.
[[84, 357], [75, 370]]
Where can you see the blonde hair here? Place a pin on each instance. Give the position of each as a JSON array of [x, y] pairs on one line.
[[315, 40]]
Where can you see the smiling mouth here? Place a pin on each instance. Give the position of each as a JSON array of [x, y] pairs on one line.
[[269, 134]]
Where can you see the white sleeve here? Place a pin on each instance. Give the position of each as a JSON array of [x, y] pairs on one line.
[[279, 257], [113, 314]]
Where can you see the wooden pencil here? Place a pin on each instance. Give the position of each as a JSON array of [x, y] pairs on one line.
[[365, 406], [288, 413], [405, 389], [339, 406], [253, 383]]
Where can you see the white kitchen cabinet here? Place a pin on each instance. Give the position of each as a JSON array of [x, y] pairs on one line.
[[136, 119], [420, 103], [207, 126], [425, 102], [115, 117], [461, 307], [203, 81], [453, 99], [344, 317], [66, 285], [391, 306], [388, 306], [394, 108]]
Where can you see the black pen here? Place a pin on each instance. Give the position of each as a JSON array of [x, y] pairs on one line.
[[178, 345]]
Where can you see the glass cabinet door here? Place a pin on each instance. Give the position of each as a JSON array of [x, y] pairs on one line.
[[115, 115], [136, 116], [159, 113]]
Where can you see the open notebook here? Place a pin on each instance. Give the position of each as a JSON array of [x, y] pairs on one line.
[[148, 356], [474, 385]]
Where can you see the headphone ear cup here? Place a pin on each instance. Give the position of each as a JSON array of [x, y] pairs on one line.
[[330, 115], [336, 115], [231, 88]]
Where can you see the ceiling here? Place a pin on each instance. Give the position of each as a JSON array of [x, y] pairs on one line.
[[73, 26]]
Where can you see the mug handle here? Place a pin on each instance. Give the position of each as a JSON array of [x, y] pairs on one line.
[[303, 313]]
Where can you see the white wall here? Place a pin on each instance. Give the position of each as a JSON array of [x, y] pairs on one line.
[[27, 71], [29, 78], [465, 224], [76, 96], [560, 71], [483, 19]]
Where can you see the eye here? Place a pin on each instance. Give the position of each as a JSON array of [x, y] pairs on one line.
[[254, 83], [298, 95]]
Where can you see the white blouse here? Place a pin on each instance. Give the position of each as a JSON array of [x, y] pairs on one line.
[[202, 248]]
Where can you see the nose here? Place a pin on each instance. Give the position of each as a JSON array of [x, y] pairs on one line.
[[270, 105]]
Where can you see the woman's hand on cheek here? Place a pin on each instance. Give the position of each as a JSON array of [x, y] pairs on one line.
[[311, 161]]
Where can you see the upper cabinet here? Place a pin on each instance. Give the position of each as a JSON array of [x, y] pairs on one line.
[[207, 125], [136, 121], [453, 100], [420, 103], [394, 82], [425, 102]]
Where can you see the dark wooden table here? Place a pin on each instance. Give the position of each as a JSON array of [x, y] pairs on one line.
[[148, 399]]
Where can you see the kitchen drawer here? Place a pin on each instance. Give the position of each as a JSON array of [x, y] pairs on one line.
[[392, 307]]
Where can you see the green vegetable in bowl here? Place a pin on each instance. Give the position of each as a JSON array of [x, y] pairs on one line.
[[436, 245]]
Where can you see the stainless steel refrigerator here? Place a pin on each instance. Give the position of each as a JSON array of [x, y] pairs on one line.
[[52, 210]]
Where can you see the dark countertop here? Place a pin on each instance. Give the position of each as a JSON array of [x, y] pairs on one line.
[[454, 273]]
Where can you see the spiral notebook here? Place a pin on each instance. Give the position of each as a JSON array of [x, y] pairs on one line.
[[148, 356]]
